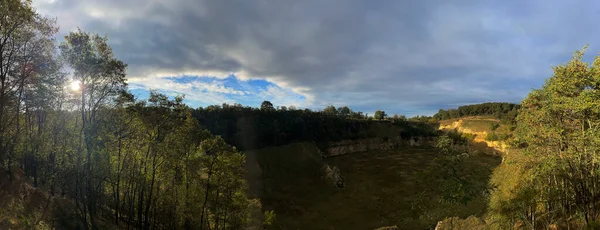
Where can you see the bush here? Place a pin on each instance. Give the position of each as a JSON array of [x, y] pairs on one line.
[[469, 136], [494, 126], [492, 137], [269, 218], [503, 137]]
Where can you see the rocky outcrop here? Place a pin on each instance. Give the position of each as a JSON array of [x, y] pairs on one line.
[[480, 137], [497, 147], [333, 176], [371, 144]]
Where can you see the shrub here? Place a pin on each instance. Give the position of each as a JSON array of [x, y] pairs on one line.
[[492, 137], [494, 126]]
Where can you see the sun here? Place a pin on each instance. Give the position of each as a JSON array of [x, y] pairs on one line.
[[75, 85]]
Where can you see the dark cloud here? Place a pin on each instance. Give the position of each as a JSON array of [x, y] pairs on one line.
[[402, 56]]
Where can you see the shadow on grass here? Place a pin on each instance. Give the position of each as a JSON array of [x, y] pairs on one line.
[[382, 188]]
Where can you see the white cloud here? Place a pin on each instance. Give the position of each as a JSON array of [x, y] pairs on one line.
[[282, 97], [207, 90], [401, 56]]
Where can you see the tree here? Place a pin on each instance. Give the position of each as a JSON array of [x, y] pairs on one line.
[[26, 57], [450, 176], [145, 162], [380, 115], [330, 110], [559, 125], [266, 105], [102, 79], [344, 111]]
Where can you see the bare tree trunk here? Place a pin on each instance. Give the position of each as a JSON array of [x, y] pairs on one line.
[[207, 192]]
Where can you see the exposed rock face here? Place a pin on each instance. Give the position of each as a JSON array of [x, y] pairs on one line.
[[480, 137], [363, 145], [333, 175]]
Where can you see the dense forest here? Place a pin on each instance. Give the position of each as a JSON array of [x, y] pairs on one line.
[[251, 128], [500, 110]]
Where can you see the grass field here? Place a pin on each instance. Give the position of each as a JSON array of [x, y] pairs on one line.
[[476, 124], [382, 189]]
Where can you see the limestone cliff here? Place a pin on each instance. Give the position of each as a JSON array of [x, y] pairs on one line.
[[480, 136], [371, 144]]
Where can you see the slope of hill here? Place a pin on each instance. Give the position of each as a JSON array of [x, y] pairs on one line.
[[372, 189], [24, 206], [481, 128]]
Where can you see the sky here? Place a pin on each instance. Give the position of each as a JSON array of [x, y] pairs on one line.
[[404, 57]]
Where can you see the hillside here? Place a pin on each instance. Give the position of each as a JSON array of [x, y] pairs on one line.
[[481, 128], [250, 128], [379, 188], [27, 207]]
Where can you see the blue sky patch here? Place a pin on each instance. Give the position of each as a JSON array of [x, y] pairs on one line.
[[207, 90]]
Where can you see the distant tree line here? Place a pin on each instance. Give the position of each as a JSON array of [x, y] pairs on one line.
[[250, 128], [500, 110]]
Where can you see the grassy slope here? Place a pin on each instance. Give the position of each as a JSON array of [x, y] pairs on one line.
[[477, 123], [26, 207], [481, 127], [382, 189], [506, 178], [22, 206]]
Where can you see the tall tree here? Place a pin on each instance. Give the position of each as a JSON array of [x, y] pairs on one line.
[[380, 115], [266, 105], [102, 79], [27, 64], [330, 110], [344, 111]]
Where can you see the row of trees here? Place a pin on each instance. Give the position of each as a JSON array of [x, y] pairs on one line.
[[330, 110], [251, 128], [146, 164], [501, 110]]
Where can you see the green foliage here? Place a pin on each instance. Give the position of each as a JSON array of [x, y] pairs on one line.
[[380, 115], [492, 137], [557, 126], [455, 137], [451, 177], [29, 72], [494, 126], [296, 189], [344, 111], [251, 128], [266, 105], [468, 137], [500, 110], [330, 110], [399, 118], [422, 119], [269, 218], [138, 164]]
